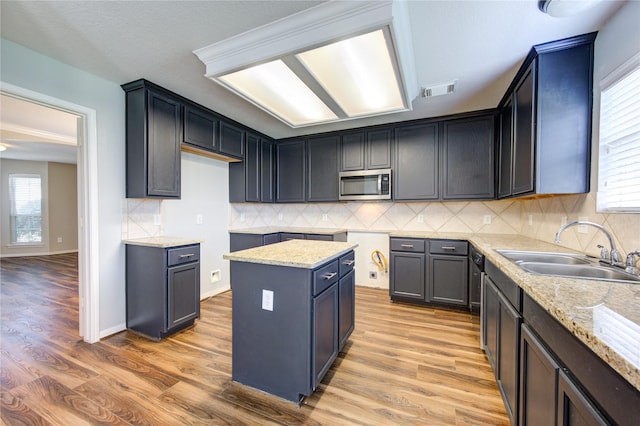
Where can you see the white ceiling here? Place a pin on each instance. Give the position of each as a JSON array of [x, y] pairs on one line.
[[479, 43]]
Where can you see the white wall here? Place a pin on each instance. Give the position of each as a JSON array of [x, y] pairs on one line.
[[30, 70], [205, 191]]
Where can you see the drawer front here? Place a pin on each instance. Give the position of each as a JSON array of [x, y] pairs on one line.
[[286, 236], [319, 237], [347, 263], [186, 254], [448, 247], [324, 276], [407, 244]]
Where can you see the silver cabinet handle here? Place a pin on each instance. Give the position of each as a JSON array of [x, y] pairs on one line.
[[182, 256], [329, 275], [348, 262], [448, 248], [406, 245]]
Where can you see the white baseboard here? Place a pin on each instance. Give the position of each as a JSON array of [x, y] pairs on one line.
[[214, 292], [49, 253], [113, 330]]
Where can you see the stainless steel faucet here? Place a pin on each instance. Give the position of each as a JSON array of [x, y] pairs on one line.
[[631, 262], [614, 256]]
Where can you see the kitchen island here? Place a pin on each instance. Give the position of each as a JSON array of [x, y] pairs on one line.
[[293, 311]]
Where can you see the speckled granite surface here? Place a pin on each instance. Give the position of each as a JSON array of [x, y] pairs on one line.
[[273, 229], [162, 242], [295, 253], [603, 315]]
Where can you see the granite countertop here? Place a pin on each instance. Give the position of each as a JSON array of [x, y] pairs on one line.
[[162, 242], [604, 315], [274, 229], [308, 254]]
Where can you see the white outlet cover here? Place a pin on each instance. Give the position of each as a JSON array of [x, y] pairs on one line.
[[486, 219], [267, 300]]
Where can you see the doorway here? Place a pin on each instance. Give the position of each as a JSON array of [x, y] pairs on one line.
[[88, 277]]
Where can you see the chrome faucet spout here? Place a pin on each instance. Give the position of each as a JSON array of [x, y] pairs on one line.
[[614, 257]]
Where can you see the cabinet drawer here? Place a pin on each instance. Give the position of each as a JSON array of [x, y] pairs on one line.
[[448, 247], [177, 256], [325, 276], [347, 263], [286, 236], [407, 244]]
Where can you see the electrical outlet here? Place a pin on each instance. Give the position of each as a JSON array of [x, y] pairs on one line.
[[215, 276], [530, 220], [59, 239], [279, 216], [199, 219], [241, 217], [486, 219], [325, 217], [373, 275], [267, 300], [420, 218], [157, 220], [582, 229]]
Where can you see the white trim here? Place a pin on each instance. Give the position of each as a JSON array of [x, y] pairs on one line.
[[113, 330], [48, 253], [620, 72], [214, 292], [88, 237]]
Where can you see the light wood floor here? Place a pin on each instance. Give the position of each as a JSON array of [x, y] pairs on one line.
[[403, 365]]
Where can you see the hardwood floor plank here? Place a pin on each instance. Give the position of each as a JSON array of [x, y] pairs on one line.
[[403, 364]]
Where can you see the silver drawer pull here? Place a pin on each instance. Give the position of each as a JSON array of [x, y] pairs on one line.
[[348, 262], [329, 275], [406, 245], [448, 248], [182, 256]]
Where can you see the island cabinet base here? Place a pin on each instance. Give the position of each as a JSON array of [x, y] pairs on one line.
[[286, 326]]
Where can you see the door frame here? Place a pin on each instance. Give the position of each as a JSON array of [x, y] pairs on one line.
[[87, 190]]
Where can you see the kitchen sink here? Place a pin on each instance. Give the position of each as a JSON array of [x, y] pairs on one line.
[[589, 272], [544, 257]]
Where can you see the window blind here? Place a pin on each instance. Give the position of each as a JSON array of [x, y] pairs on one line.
[[619, 157], [25, 193]]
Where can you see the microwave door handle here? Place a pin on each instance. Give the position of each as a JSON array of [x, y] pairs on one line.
[[380, 184]]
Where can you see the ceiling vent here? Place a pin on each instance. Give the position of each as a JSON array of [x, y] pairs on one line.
[[438, 90]]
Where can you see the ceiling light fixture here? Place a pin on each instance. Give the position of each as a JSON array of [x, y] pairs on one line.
[[336, 61], [2, 148], [562, 8]]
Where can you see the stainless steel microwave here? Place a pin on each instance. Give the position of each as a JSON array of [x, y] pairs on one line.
[[366, 185]]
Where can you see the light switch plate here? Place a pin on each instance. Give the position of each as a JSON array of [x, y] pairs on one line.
[[267, 300]]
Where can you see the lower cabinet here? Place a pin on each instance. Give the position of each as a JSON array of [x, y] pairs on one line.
[[347, 299], [243, 240], [429, 271], [545, 374], [325, 332], [163, 289]]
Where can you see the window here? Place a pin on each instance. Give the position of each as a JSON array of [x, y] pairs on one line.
[[25, 192], [619, 158]]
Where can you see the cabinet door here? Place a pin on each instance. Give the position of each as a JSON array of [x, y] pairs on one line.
[[183, 294], [378, 152], [347, 312], [509, 321], [524, 134], [538, 381], [574, 408], [267, 160], [467, 158], [325, 332], [200, 128], [231, 140], [252, 168], [286, 236], [475, 278], [322, 171], [505, 151], [415, 175], [407, 275], [163, 168], [352, 152], [448, 279], [291, 171], [490, 320]]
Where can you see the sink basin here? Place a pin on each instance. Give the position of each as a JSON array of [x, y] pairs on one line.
[[544, 257], [592, 271]]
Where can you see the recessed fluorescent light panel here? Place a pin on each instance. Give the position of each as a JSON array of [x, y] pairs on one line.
[[358, 73], [351, 78], [335, 61]]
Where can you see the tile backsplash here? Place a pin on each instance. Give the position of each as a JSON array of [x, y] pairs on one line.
[[141, 218], [536, 218]]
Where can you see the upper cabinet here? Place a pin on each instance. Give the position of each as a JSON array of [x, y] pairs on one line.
[[253, 179], [153, 135], [545, 121], [200, 128], [415, 173], [467, 158], [368, 150], [291, 171], [231, 140], [323, 160]]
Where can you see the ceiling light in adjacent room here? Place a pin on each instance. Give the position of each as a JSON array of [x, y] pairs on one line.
[[562, 8]]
